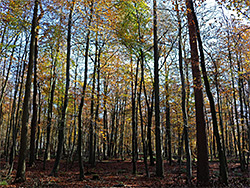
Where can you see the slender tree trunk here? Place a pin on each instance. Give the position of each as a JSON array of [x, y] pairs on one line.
[[240, 88], [97, 105], [50, 110], [242, 164], [145, 155], [149, 124], [159, 160], [65, 103], [8, 73], [121, 143], [184, 110], [18, 111], [246, 118], [134, 121], [34, 116], [12, 121], [232, 125], [9, 126], [168, 124], [79, 148], [91, 127], [75, 112], [39, 122], [105, 127], [21, 169]]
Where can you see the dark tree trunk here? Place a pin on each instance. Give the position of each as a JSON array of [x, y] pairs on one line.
[[159, 160], [240, 88], [149, 137], [183, 102], [134, 121], [222, 157], [242, 162], [8, 73], [12, 121], [121, 142], [202, 149], [145, 155], [39, 121], [91, 127], [98, 103], [168, 125], [10, 126], [105, 127], [75, 112], [65, 103], [50, 110], [34, 116], [79, 145], [21, 169], [18, 111]]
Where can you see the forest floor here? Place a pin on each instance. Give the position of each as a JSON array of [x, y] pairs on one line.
[[117, 173]]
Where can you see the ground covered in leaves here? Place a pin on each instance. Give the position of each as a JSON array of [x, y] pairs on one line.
[[118, 173]]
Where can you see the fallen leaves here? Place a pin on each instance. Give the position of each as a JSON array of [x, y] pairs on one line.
[[115, 173]]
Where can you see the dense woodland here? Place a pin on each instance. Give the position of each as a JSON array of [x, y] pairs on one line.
[[155, 85]]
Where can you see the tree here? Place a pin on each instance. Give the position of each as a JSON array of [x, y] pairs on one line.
[[202, 149], [183, 103], [159, 160], [222, 157], [79, 149], [21, 169], [65, 103], [34, 116]]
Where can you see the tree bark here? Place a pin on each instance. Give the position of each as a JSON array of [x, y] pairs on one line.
[[91, 127], [183, 102], [222, 157], [21, 169], [105, 121], [134, 121], [34, 116], [79, 145], [50, 111], [202, 148], [65, 103], [242, 162], [159, 160]]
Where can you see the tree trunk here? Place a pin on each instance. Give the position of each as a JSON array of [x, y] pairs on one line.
[[97, 105], [168, 125], [105, 127], [240, 88], [159, 160], [242, 162], [34, 116], [50, 110], [121, 142], [79, 145], [222, 157], [134, 121], [8, 74], [145, 155], [202, 149], [65, 103], [91, 127], [12, 121], [21, 169], [39, 121], [184, 110]]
